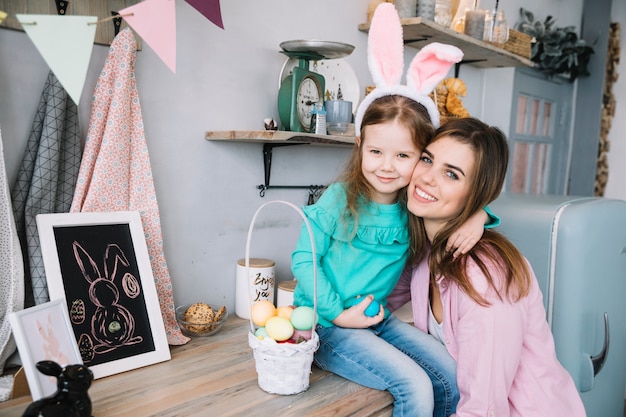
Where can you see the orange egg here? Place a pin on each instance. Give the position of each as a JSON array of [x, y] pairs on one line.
[[284, 311], [279, 328], [261, 311]]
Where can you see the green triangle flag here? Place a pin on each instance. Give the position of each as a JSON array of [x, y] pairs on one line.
[[65, 43]]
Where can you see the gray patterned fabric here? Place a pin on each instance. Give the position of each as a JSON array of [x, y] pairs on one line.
[[11, 275], [46, 179]]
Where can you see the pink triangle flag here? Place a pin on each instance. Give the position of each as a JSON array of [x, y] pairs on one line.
[[210, 9], [65, 43], [155, 22]]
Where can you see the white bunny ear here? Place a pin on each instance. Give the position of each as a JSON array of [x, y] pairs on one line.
[[431, 65], [385, 51]]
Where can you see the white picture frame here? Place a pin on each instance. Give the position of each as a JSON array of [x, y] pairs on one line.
[[98, 263], [44, 332]]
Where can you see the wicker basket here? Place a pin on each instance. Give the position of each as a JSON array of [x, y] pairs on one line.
[[283, 368], [519, 43]]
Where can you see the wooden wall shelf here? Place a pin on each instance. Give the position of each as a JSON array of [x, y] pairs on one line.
[[279, 136], [418, 32]]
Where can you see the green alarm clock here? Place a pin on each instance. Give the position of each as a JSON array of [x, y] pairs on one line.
[[301, 90]]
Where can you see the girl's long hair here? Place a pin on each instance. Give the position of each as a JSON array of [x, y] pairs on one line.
[[493, 250], [407, 112]]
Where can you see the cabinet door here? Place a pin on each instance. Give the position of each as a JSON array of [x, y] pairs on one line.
[[539, 136]]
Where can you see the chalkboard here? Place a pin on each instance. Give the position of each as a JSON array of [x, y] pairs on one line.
[[98, 263]]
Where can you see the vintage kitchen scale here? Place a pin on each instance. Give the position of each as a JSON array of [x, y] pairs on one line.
[[301, 90]]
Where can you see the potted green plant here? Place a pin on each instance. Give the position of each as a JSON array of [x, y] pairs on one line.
[[556, 50]]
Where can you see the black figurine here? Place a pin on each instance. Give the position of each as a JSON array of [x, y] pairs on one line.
[[70, 399]]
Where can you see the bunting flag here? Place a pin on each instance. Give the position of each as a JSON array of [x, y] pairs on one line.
[[155, 22], [65, 43], [3, 15], [210, 9]]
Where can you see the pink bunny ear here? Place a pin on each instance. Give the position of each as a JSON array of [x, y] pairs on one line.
[[431, 65], [385, 46], [85, 262]]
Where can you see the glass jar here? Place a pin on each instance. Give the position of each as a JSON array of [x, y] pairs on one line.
[[500, 29], [426, 9], [443, 12], [458, 21], [496, 28], [406, 8], [475, 23]]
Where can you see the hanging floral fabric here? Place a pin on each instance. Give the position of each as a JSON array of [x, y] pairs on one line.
[[46, 178], [115, 174], [11, 277]]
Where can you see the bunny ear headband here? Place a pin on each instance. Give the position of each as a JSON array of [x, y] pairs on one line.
[[385, 53]]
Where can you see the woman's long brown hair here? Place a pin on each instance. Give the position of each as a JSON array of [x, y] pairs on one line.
[[491, 159]]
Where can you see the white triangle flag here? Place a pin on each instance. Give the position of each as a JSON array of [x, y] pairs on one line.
[[65, 43]]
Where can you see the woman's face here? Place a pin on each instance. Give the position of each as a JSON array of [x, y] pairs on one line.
[[441, 182]]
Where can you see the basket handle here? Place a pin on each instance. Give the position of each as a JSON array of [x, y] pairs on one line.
[[247, 260]]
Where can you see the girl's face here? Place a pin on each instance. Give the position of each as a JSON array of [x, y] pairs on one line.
[[388, 159], [441, 182]]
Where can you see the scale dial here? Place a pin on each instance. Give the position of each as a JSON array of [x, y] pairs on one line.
[[297, 95], [309, 94]]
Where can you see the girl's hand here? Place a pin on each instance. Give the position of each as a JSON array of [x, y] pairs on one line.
[[355, 318], [467, 235]]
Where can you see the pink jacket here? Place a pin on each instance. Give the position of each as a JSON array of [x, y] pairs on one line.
[[506, 360]]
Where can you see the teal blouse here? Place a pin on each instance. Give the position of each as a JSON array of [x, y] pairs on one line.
[[350, 263]]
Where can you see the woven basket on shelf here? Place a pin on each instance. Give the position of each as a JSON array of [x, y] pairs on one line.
[[519, 43], [283, 368]]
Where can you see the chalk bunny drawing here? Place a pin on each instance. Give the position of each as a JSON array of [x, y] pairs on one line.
[[112, 324]]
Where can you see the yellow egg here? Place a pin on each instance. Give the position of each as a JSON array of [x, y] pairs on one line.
[[279, 328], [262, 311], [284, 311]]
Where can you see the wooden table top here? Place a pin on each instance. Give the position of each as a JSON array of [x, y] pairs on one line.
[[216, 375]]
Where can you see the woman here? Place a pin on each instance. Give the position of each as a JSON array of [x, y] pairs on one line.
[[486, 306]]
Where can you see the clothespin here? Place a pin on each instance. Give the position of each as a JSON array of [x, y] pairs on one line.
[[61, 6], [117, 22]]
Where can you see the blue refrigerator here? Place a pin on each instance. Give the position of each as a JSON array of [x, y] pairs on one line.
[[577, 248]]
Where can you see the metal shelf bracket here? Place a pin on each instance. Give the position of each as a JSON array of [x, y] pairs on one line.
[[314, 190]]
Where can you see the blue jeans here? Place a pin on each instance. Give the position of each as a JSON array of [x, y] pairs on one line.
[[395, 356]]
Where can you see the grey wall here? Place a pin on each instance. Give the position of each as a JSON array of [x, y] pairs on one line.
[[227, 80]]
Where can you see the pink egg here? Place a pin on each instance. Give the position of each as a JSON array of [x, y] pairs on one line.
[[300, 336]]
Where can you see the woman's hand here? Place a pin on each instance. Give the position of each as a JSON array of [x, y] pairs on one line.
[[355, 318]]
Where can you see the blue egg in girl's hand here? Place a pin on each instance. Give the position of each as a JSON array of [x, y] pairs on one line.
[[372, 309]]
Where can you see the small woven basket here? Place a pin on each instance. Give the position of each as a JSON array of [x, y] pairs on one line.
[[519, 43], [283, 368]]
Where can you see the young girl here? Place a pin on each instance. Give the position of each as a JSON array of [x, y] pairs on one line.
[[486, 307]]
